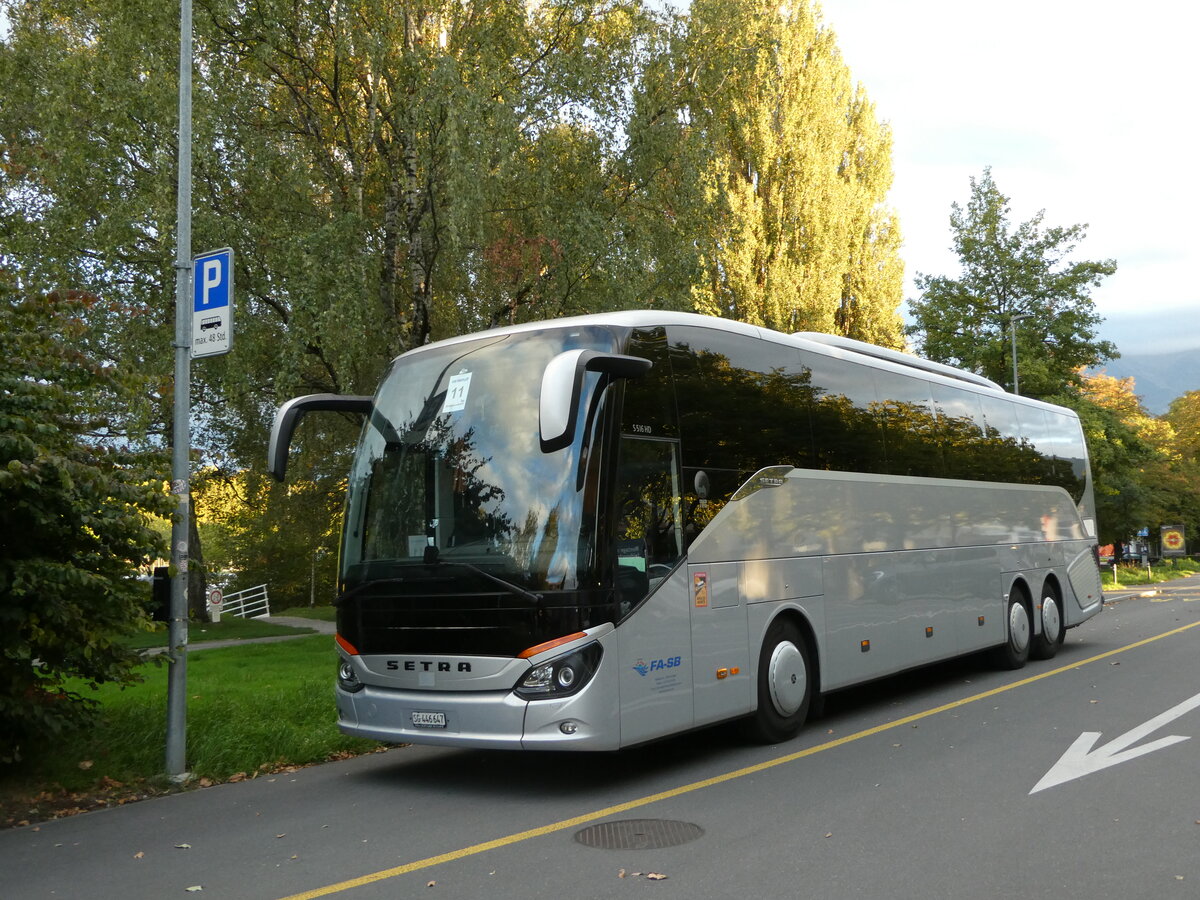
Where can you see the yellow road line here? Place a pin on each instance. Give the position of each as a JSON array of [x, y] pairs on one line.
[[476, 849]]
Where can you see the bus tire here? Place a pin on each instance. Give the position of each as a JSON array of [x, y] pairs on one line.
[[785, 684], [1018, 628], [1050, 638]]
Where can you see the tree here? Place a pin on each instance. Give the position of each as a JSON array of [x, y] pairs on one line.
[[74, 526], [1184, 416], [795, 169], [391, 172], [1141, 479], [1012, 276]]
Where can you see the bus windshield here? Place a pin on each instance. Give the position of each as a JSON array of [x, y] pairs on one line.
[[449, 473]]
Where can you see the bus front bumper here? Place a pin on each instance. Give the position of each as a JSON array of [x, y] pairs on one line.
[[485, 720]]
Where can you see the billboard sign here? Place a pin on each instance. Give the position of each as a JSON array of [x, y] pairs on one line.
[[1173, 543]]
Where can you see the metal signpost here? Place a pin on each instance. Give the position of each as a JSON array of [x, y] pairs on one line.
[[181, 439], [208, 331]]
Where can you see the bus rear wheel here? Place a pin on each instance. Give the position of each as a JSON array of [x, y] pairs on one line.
[[785, 684], [1014, 652], [1046, 644]]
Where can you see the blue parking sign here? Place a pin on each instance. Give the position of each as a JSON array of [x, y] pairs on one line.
[[212, 303]]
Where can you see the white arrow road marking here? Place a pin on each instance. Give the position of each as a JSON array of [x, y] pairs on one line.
[[1080, 759]]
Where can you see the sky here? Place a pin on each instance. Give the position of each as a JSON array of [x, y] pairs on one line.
[[1087, 110]]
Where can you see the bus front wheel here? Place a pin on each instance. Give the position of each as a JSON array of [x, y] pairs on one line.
[[1014, 652], [785, 684]]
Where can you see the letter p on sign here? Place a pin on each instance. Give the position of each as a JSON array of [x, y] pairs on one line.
[[210, 281]]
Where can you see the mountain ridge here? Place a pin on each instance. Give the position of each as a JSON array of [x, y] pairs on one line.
[[1158, 377]]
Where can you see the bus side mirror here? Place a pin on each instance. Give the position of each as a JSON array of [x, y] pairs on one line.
[[288, 417], [562, 383]]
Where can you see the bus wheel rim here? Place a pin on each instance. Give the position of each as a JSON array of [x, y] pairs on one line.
[[1018, 627], [1051, 619], [788, 678]]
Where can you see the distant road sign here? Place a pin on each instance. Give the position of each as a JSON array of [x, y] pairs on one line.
[[215, 597], [212, 303]]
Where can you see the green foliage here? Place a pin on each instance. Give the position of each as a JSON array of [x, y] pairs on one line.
[[1183, 416], [794, 169], [1142, 474], [284, 535], [74, 528], [1130, 575], [1009, 273], [392, 172]]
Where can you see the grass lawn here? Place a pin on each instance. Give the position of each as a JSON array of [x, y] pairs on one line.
[[1135, 576], [251, 709]]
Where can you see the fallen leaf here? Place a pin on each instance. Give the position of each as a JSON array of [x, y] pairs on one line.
[[183, 846], [85, 764], [829, 834], [621, 873], [195, 888], [430, 883], [656, 876], [278, 836], [139, 855]]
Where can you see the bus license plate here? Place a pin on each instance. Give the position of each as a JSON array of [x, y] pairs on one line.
[[429, 719]]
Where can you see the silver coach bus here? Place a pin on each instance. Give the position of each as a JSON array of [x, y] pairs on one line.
[[593, 532]]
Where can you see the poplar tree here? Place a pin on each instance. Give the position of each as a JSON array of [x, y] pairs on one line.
[[795, 174]]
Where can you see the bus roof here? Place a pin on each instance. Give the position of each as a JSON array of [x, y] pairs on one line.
[[859, 352]]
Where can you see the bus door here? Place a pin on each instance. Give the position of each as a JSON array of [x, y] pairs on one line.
[[655, 640]]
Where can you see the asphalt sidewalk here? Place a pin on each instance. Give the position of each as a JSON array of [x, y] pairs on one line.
[[311, 626]]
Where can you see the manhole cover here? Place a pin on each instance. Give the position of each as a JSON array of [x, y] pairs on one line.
[[638, 834]]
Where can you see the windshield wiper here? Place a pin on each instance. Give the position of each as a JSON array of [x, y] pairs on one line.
[[432, 559], [515, 590]]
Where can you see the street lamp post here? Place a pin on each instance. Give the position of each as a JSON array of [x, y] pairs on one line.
[[1012, 323]]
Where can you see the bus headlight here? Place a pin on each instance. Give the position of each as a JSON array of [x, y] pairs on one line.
[[347, 678], [560, 677]]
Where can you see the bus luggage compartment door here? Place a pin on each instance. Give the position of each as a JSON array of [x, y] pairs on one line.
[[722, 672]]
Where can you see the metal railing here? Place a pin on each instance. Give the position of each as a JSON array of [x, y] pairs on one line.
[[251, 603]]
